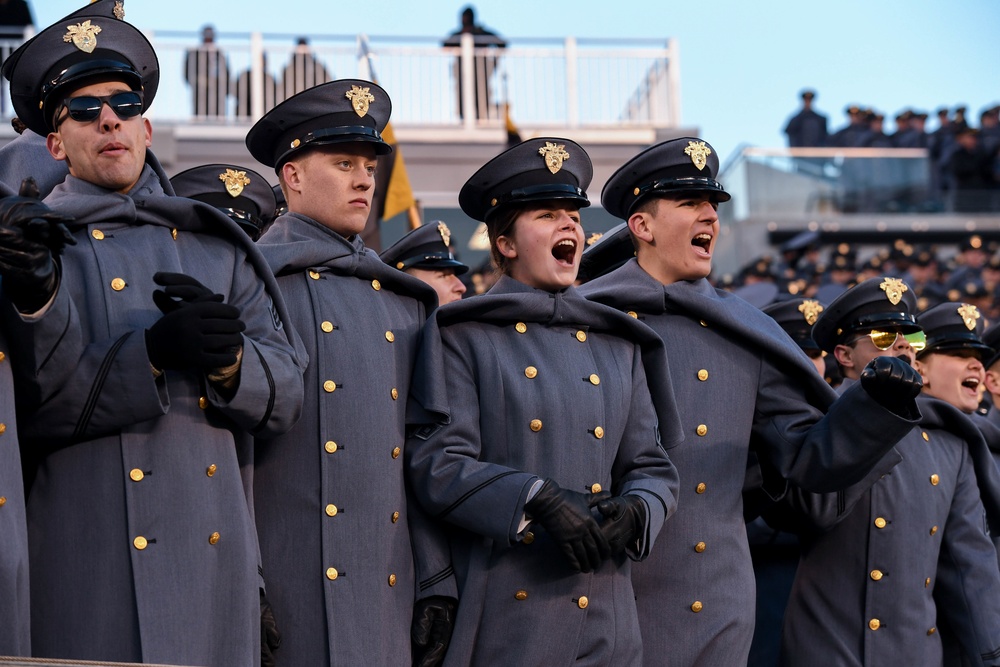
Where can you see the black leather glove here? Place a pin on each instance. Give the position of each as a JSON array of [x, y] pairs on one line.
[[567, 517], [196, 332], [270, 638], [430, 632], [893, 384], [624, 516], [180, 289], [32, 236]]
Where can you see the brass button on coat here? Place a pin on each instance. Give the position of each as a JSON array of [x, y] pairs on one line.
[[595, 488], [581, 336], [329, 386], [634, 315], [389, 336], [521, 595], [700, 488], [213, 538], [876, 575], [931, 631], [700, 547], [97, 234], [2, 356], [331, 573], [528, 538], [314, 274], [925, 436], [874, 624], [136, 475], [934, 529], [3, 500], [880, 522], [331, 510], [210, 470], [140, 543], [701, 430], [599, 432], [330, 447], [535, 425], [531, 372], [3, 428], [173, 234], [395, 452], [392, 580], [702, 375], [594, 379], [395, 517], [202, 402], [703, 323], [583, 602], [935, 479], [118, 284], [394, 393], [520, 327], [697, 606], [927, 582], [376, 285], [327, 327]]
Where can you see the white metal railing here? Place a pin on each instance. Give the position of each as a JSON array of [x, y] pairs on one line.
[[570, 83]]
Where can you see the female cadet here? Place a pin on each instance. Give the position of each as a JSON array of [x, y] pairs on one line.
[[547, 459]]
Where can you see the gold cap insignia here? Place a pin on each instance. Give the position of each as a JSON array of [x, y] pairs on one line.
[[119, 10], [810, 309], [83, 35], [235, 181], [554, 154], [360, 99], [699, 152], [445, 233], [893, 288], [969, 315], [594, 238]]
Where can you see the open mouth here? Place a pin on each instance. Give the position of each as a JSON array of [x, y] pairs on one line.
[[565, 252], [703, 241], [971, 383]]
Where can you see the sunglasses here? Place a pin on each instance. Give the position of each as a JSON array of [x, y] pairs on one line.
[[883, 340], [87, 108]]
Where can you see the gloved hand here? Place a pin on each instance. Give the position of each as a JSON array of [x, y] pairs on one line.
[[623, 516], [32, 236], [198, 332], [180, 290], [893, 384], [430, 631], [270, 638], [567, 517]]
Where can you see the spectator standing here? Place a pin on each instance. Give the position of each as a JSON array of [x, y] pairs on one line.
[[484, 65], [303, 70], [206, 71], [807, 128]]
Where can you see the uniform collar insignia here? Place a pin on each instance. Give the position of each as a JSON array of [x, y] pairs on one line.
[[360, 99], [83, 35], [810, 310], [235, 181], [445, 233], [554, 154], [893, 288], [969, 315], [699, 152], [593, 238], [119, 10]]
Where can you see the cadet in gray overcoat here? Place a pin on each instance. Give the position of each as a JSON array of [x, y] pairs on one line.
[[342, 547], [141, 364], [885, 563], [741, 382], [546, 457]]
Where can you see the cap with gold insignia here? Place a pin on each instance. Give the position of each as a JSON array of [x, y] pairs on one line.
[[336, 112], [954, 326], [607, 253], [877, 303], [241, 193], [426, 247], [797, 317], [675, 167], [91, 45], [536, 170]]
